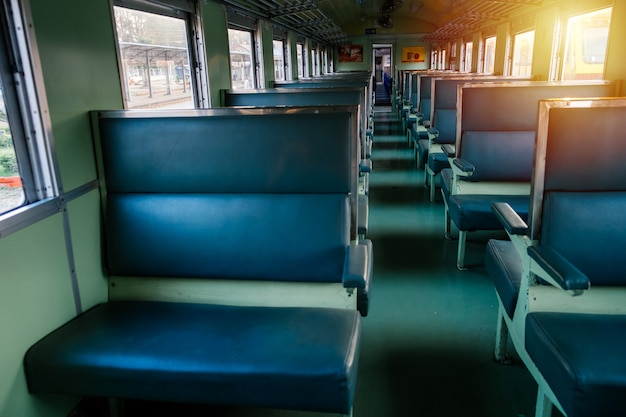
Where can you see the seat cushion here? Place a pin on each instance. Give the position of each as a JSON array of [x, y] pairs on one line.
[[422, 151], [293, 358], [438, 161], [581, 356], [504, 267], [473, 211]]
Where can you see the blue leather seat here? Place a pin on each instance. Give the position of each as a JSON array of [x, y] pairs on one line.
[[582, 358], [197, 353], [471, 212], [559, 281], [504, 266], [213, 215]]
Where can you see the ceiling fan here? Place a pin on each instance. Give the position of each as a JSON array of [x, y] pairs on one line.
[[388, 7]]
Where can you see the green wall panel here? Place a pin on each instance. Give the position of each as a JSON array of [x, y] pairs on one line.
[[85, 225], [218, 61], [36, 297], [79, 62]]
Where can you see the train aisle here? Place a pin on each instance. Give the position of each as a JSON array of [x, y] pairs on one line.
[[428, 341]]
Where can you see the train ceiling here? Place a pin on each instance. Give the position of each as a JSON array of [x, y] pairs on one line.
[[334, 21]]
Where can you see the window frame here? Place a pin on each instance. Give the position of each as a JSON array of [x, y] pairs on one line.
[[300, 59], [188, 11], [283, 46], [468, 51], [28, 116], [562, 60], [488, 54], [253, 55], [515, 51]]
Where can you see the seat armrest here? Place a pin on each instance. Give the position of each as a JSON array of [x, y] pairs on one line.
[[365, 165], [512, 222], [449, 150], [560, 271], [466, 167], [357, 268], [433, 131]]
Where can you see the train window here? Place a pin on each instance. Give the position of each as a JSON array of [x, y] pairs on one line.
[[300, 57], [523, 53], [154, 55], [490, 55], [586, 41], [27, 172], [453, 62], [279, 60], [467, 61], [241, 47], [314, 62], [11, 192]]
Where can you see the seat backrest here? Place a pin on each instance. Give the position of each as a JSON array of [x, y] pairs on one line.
[[571, 220], [500, 156], [414, 88], [322, 96], [228, 194], [445, 123], [425, 96], [444, 98], [292, 97], [580, 147], [513, 106]]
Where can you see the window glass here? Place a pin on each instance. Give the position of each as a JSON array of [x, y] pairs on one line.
[[279, 60], [11, 190], [241, 48], [490, 55], [523, 53], [155, 60], [453, 62], [314, 62], [300, 54], [585, 45], [467, 65]]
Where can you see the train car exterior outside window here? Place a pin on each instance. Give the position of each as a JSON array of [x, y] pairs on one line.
[[314, 62], [27, 173], [11, 191], [241, 48], [523, 53], [155, 59], [586, 41], [300, 55], [490, 55], [467, 62], [279, 60]]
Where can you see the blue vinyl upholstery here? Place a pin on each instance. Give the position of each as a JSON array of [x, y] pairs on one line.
[[504, 266], [190, 196], [496, 144], [196, 353], [582, 356], [499, 155], [560, 281], [254, 231], [471, 212]]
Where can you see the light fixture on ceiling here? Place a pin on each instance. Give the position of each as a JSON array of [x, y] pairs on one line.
[[388, 7]]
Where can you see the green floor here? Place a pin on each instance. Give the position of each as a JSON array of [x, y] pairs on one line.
[[427, 343]]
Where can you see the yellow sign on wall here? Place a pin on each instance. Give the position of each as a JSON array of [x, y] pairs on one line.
[[414, 54]]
